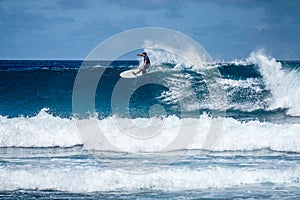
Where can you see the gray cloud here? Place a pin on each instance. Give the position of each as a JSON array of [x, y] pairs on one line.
[[73, 4], [173, 14], [172, 8], [18, 20], [276, 11], [149, 4]]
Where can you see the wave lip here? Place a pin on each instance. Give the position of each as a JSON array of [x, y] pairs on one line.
[[284, 85]]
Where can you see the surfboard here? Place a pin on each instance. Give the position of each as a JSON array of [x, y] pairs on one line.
[[129, 74]]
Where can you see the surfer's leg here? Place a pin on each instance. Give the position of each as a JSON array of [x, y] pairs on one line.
[[147, 66], [144, 68], [135, 73]]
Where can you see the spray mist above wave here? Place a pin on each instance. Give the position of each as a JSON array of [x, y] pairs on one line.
[[45, 130], [184, 53]]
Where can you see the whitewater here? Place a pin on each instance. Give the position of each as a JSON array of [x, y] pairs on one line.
[[46, 130]]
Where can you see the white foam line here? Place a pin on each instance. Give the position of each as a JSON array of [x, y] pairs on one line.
[[92, 179], [45, 130]]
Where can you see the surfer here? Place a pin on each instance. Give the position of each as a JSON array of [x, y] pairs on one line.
[[146, 65]]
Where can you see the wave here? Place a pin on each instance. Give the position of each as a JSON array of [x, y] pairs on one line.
[[46, 130], [283, 84], [257, 84], [240, 85], [93, 179], [42, 130], [246, 88]]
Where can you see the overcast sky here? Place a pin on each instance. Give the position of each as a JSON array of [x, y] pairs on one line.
[[70, 29]]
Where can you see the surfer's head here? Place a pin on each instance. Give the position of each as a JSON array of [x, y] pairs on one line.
[[144, 53]]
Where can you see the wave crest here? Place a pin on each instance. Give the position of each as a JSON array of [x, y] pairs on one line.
[[46, 130], [283, 84]]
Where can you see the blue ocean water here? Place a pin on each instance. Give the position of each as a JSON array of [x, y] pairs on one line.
[[256, 155]]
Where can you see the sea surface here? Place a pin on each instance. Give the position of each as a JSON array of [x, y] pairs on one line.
[[255, 154]]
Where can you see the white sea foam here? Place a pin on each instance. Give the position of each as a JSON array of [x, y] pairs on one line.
[[45, 130], [284, 85], [251, 83], [256, 135], [42, 130], [91, 179], [177, 83], [233, 87]]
